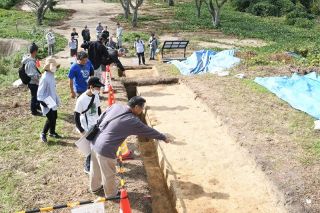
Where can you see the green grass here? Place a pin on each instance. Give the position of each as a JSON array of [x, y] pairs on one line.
[[254, 86], [21, 25], [141, 18], [281, 37], [130, 37], [21, 153]]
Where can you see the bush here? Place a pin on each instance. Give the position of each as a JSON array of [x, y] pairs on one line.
[[285, 6], [7, 4], [241, 5], [304, 23], [265, 9], [300, 18], [315, 9]]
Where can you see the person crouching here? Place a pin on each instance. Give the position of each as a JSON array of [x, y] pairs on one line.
[[49, 99]]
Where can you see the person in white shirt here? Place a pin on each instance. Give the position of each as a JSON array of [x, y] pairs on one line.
[[139, 47], [51, 40], [119, 35], [73, 47], [87, 110], [49, 99]]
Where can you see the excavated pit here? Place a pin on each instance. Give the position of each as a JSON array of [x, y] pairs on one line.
[[161, 198], [204, 169]]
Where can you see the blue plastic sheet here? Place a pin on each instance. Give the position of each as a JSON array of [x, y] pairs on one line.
[[301, 92], [207, 61]]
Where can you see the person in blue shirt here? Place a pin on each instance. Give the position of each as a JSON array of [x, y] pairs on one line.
[[79, 74]]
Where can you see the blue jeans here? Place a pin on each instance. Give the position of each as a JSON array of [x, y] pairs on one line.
[[152, 53]]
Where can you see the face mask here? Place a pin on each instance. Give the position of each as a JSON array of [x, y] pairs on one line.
[[96, 92]]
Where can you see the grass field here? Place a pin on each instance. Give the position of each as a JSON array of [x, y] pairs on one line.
[[21, 24]]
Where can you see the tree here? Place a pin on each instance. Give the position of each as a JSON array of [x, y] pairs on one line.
[[135, 8], [198, 7], [126, 7], [215, 9], [40, 7]]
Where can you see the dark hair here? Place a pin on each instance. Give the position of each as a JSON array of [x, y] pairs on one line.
[[33, 47], [136, 100], [81, 55], [103, 36]]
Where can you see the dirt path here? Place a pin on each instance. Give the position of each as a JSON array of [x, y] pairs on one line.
[[206, 169]]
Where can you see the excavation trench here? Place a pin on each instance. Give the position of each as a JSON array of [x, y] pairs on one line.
[[161, 199], [203, 169]]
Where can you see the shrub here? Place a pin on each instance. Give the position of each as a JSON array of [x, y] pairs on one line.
[[7, 4], [315, 8], [241, 5], [300, 18], [304, 23], [265, 9]]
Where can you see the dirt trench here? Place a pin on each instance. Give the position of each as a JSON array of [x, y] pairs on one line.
[[203, 169]]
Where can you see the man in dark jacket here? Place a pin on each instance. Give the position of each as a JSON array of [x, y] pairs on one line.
[[85, 35], [118, 122], [100, 55]]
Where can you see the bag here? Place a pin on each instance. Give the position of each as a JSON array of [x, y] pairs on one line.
[[89, 106], [23, 75], [92, 133]]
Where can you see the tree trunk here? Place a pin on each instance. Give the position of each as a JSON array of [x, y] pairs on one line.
[[216, 22], [198, 7], [127, 10], [135, 17], [40, 12], [171, 2]]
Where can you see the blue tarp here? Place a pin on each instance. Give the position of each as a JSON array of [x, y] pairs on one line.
[[205, 61], [301, 92]]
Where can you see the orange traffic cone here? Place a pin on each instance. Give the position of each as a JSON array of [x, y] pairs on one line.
[[124, 202], [111, 99], [38, 63], [126, 153]]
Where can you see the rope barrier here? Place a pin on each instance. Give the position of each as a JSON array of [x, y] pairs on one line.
[[71, 204]]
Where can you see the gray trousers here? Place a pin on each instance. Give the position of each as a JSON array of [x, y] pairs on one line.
[[50, 49]]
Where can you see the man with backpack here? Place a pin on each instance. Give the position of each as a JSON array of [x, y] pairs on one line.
[[139, 47], [30, 75], [87, 110]]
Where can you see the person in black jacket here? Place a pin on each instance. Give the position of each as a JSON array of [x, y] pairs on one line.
[[86, 34], [100, 55], [105, 31], [114, 59]]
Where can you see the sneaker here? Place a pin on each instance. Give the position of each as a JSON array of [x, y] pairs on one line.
[[97, 190], [36, 113], [54, 135], [43, 138]]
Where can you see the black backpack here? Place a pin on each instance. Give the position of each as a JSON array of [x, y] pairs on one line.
[[23, 75]]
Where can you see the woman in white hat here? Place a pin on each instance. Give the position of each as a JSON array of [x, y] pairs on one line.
[[49, 99]]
